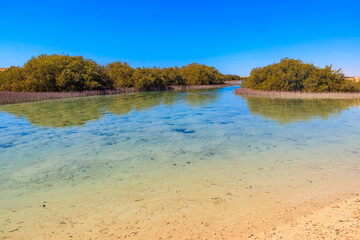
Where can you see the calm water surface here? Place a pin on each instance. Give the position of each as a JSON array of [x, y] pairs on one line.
[[179, 164]]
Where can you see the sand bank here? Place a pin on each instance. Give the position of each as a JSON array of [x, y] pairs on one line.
[[301, 95], [8, 97]]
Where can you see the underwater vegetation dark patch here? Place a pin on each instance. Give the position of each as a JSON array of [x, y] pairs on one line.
[[183, 130]]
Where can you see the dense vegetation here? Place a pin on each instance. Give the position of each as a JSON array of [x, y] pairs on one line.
[[294, 75], [64, 73], [55, 73]]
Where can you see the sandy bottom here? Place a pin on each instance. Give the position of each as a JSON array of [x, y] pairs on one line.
[[184, 165], [184, 208], [338, 221]]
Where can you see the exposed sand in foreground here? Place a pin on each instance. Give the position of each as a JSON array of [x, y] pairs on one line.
[[193, 221], [338, 221]]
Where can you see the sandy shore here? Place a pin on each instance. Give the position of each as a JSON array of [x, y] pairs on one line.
[[8, 97], [301, 95], [338, 221]]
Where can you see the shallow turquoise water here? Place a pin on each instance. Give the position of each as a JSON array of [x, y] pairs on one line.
[[162, 141]]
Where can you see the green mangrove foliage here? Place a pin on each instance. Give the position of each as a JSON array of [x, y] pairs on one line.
[[64, 73], [233, 77], [121, 74], [193, 74], [294, 75], [55, 73], [199, 74]]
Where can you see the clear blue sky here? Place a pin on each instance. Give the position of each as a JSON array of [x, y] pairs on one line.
[[233, 36]]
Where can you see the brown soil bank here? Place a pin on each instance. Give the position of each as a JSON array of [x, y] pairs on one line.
[[302, 95], [7, 97]]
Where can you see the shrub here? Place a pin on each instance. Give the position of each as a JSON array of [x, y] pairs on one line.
[[294, 75], [82, 74], [350, 86], [172, 76], [121, 74], [55, 73], [145, 78], [231, 77], [64, 73], [199, 74], [12, 79]]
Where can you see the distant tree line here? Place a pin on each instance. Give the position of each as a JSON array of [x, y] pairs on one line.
[[64, 73], [294, 75]]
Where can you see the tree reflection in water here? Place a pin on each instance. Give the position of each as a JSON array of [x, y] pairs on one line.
[[287, 111], [76, 112]]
